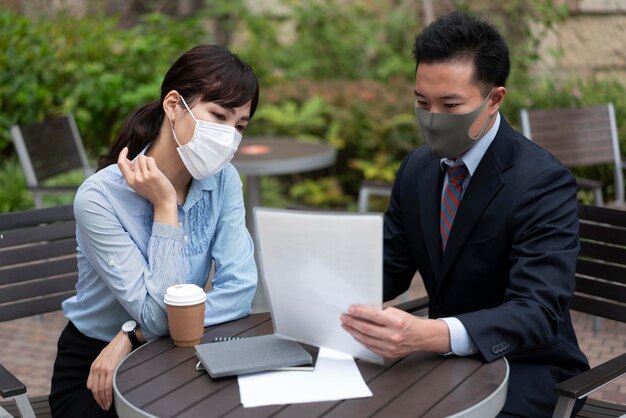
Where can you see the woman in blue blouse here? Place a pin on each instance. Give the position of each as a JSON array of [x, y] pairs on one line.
[[163, 206]]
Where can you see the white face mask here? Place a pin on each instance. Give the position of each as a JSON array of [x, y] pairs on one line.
[[210, 148]]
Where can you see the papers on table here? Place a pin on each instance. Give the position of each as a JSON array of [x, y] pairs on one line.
[[336, 377], [314, 266]]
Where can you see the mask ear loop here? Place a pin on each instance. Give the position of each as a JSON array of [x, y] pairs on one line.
[[173, 132], [185, 103], [482, 131]]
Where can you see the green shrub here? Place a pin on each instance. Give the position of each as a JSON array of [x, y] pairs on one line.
[[13, 193], [89, 66]]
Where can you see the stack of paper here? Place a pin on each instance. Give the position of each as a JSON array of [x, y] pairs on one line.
[[336, 377]]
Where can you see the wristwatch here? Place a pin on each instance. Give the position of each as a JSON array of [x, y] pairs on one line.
[[129, 328]]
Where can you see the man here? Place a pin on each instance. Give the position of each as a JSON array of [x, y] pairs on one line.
[[488, 218]]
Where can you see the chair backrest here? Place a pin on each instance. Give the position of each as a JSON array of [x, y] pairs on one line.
[[601, 268], [49, 148], [578, 137], [38, 267]]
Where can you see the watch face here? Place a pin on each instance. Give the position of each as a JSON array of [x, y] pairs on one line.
[[129, 326]]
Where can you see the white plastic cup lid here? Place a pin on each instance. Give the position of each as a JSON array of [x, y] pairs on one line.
[[184, 295]]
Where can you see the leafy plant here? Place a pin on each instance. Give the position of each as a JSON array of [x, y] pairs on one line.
[[13, 193]]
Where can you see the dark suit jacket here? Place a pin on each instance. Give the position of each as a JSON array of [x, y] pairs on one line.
[[508, 270]]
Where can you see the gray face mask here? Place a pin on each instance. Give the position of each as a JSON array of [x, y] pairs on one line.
[[447, 134]]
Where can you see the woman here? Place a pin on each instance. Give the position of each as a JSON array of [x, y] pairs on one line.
[[164, 204]]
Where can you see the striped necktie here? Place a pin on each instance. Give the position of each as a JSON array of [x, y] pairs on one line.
[[450, 201]]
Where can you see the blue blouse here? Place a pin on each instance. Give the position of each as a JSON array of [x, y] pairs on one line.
[[126, 261]]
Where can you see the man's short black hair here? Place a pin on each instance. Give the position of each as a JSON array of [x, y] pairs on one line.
[[465, 37]]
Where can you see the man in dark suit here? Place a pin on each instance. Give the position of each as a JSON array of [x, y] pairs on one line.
[[488, 218]]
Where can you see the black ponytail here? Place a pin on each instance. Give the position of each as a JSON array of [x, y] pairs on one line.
[[139, 129]]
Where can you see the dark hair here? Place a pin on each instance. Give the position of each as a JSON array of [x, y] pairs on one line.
[[465, 37], [208, 73]]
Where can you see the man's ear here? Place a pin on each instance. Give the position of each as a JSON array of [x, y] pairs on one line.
[[496, 99], [171, 100]]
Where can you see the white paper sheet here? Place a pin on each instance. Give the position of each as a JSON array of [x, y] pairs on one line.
[[336, 377], [314, 266]]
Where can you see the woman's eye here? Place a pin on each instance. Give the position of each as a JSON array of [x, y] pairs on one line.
[[219, 116], [240, 128]]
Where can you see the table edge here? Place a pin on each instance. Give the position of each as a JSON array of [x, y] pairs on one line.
[[122, 406], [492, 404], [286, 166]]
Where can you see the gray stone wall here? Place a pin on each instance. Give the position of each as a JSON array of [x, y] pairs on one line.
[[590, 43]]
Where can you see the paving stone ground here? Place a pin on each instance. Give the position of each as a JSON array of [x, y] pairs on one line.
[[28, 349]]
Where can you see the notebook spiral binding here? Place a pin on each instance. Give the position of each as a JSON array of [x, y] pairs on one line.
[[221, 339]]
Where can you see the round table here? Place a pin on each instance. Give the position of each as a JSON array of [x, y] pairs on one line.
[[159, 379], [263, 155]]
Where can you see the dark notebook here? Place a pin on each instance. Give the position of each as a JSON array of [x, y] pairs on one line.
[[250, 355]]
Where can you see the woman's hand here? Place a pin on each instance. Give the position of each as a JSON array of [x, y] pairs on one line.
[[100, 380], [144, 177]]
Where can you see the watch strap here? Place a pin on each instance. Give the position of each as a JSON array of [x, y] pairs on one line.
[[132, 336]]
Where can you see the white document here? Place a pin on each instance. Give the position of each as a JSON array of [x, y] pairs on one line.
[[314, 266], [336, 377]]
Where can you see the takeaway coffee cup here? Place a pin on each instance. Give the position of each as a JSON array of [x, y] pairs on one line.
[[185, 313]]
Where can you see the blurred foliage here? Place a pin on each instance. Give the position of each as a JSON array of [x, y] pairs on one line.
[[330, 71], [53, 65], [13, 193]]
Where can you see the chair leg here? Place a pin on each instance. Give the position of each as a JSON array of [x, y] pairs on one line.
[[597, 196], [38, 199], [564, 407], [363, 199], [597, 323], [23, 405]]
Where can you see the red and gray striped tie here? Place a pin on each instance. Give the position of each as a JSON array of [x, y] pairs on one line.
[[451, 200]]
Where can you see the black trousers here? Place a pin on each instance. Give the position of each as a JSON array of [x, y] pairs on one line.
[[69, 396]]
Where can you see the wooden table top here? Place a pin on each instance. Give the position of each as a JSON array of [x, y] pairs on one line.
[[160, 379]]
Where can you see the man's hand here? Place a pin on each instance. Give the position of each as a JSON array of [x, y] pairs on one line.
[[100, 380], [393, 333]]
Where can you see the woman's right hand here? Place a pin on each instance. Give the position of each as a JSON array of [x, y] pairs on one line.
[[144, 177]]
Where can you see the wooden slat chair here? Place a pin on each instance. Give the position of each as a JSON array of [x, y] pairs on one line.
[[601, 291], [48, 149], [580, 137], [37, 272]]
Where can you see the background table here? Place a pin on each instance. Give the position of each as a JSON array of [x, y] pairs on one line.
[[261, 156], [160, 379]]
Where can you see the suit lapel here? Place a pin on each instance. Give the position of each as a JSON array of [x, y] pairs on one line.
[[483, 187], [431, 180]]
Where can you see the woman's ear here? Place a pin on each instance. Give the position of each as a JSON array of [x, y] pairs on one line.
[[171, 100], [497, 98]]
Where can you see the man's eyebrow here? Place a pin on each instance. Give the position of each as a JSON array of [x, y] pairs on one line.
[[447, 97]]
